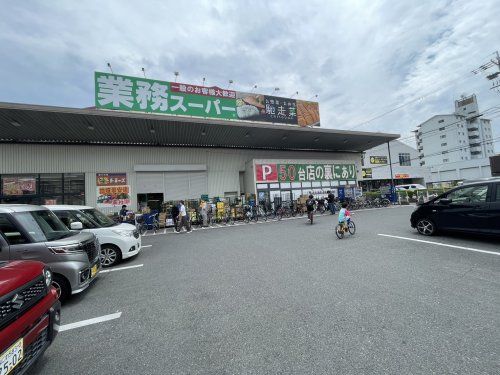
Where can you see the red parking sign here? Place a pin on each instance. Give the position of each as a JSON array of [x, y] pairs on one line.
[[266, 173]]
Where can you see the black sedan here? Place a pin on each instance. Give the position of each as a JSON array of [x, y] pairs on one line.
[[472, 208]]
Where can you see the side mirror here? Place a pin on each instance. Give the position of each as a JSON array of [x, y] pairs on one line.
[[444, 201], [76, 225]]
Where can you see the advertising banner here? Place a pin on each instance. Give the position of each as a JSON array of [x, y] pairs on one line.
[[127, 93], [112, 190], [378, 159], [304, 172], [19, 185]]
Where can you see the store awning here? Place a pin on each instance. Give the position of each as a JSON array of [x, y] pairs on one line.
[[24, 123]]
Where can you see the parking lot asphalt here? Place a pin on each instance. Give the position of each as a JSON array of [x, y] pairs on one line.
[[290, 298]]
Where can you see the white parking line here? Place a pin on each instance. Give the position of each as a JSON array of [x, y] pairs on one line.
[[121, 268], [83, 323], [441, 244], [143, 246]]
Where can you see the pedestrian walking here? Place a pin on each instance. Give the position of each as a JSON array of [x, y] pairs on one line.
[[184, 218], [331, 202], [310, 208], [175, 216], [203, 210]]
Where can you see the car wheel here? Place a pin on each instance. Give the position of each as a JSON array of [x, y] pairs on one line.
[[110, 255], [426, 227], [62, 286]]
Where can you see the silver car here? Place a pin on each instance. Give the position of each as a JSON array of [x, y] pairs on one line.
[[34, 233]]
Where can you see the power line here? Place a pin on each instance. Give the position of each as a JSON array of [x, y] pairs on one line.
[[492, 141], [441, 84], [420, 98], [459, 121], [497, 110]]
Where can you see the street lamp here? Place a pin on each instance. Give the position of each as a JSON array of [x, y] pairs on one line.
[[176, 74]]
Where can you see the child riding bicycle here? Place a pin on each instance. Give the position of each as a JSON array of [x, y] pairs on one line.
[[344, 217]]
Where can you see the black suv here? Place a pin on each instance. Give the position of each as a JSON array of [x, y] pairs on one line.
[[473, 207]]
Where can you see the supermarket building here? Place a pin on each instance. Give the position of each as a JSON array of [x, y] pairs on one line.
[[106, 158], [55, 155]]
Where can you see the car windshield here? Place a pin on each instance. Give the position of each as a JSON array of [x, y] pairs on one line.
[[42, 225], [86, 219], [99, 217], [69, 217]]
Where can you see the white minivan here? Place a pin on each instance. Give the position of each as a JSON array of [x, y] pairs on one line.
[[118, 240]]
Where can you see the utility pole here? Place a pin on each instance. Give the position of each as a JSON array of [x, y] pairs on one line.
[[393, 188], [496, 83], [495, 76]]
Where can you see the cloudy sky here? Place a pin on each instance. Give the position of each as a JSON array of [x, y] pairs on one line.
[[362, 58]]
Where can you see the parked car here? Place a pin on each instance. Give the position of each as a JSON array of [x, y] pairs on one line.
[[118, 240], [410, 187], [472, 207], [30, 232], [29, 314]]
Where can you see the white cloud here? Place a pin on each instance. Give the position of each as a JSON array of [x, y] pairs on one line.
[[363, 58]]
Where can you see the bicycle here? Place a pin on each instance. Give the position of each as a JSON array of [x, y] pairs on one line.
[[250, 214], [299, 209], [279, 212], [153, 222], [342, 228], [320, 206], [147, 222], [141, 225], [287, 210], [210, 216], [228, 217], [197, 219], [261, 212]]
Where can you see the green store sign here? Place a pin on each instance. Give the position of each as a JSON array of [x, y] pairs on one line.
[[145, 95], [125, 93], [270, 172]]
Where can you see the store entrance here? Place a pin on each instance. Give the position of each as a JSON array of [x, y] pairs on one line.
[[151, 200]]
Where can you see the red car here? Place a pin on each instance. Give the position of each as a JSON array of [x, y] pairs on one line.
[[29, 314]]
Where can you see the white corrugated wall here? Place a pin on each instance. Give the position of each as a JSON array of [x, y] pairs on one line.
[[223, 165]]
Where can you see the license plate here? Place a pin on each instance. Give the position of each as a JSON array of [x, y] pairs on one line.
[[11, 357], [94, 271]]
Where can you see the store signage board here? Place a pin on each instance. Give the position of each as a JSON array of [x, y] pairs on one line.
[[378, 159], [112, 190], [135, 94], [367, 173], [401, 175], [111, 179], [272, 172]]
